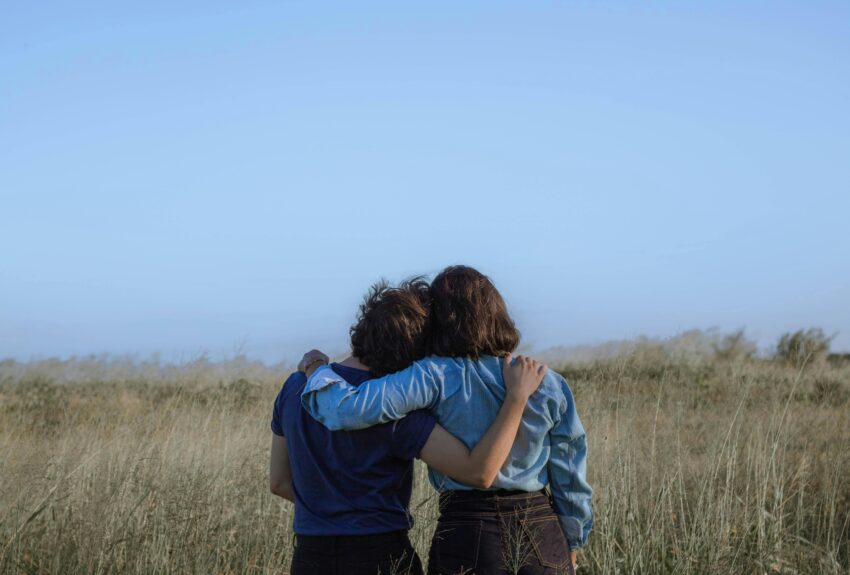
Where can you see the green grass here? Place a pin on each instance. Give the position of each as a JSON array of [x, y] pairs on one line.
[[698, 467]]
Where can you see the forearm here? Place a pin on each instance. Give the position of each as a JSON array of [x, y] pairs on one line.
[[491, 451], [339, 407], [284, 490], [576, 521], [280, 472], [337, 404], [571, 492]]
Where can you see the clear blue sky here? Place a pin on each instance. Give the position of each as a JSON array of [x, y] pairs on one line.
[[179, 176]]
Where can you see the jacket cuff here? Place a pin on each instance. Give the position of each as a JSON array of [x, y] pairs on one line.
[[321, 378], [573, 531]]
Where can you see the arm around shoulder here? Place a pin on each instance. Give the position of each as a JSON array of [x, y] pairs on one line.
[[337, 404]]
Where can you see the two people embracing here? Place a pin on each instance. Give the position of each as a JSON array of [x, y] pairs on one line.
[[431, 375]]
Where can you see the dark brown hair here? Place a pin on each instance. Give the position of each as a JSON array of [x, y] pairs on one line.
[[392, 327], [468, 316]]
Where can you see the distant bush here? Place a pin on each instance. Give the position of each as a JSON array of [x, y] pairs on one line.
[[803, 346], [734, 346], [695, 346]]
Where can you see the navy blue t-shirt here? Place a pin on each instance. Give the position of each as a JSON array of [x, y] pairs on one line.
[[349, 482]]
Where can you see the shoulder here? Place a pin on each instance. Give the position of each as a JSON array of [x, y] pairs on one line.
[[436, 362], [486, 368], [555, 381], [555, 386], [293, 385], [295, 378], [437, 366]]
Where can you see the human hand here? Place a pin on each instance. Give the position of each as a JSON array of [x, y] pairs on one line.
[[311, 361], [522, 377], [573, 561]]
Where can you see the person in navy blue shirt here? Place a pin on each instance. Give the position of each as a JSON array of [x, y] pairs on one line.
[[352, 489]]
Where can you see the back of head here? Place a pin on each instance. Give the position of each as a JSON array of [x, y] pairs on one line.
[[392, 327], [468, 316]]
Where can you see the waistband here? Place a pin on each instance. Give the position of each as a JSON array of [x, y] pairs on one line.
[[484, 504], [478, 495], [331, 543]]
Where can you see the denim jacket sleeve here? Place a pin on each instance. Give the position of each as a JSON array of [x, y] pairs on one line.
[[337, 404], [568, 473]]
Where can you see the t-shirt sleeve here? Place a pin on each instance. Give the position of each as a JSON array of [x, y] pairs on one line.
[[411, 433], [289, 387]]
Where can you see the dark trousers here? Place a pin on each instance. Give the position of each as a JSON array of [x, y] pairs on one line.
[[498, 533], [383, 554]]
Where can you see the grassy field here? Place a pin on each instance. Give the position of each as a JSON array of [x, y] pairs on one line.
[[699, 466]]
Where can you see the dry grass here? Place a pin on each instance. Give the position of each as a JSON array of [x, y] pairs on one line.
[[699, 467]]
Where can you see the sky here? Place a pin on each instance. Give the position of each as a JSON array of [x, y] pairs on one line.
[[231, 177]]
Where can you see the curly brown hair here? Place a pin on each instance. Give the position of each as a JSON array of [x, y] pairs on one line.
[[392, 326], [469, 318]]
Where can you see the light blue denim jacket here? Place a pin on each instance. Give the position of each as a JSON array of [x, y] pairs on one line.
[[466, 395]]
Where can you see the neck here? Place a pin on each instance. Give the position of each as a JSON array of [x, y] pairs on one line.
[[352, 361]]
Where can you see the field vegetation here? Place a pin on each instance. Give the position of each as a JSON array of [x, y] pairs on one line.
[[704, 458]]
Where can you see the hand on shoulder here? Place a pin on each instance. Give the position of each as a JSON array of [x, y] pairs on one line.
[[311, 362]]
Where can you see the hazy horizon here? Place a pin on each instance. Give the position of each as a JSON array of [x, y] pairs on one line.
[[696, 338]]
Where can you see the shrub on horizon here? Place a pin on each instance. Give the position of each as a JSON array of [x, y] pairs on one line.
[[803, 346], [734, 346]]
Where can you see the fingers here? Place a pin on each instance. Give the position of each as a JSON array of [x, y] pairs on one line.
[[507, 364], [525, 363], [311, 357], [530, 364], [523, 377]]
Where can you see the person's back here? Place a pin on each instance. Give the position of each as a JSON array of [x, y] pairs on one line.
[[349, 482], [470, 395], [352, 489]]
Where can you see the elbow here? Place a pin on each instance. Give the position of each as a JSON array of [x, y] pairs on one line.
[[282, 489], [481, 480], [487, 481]]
